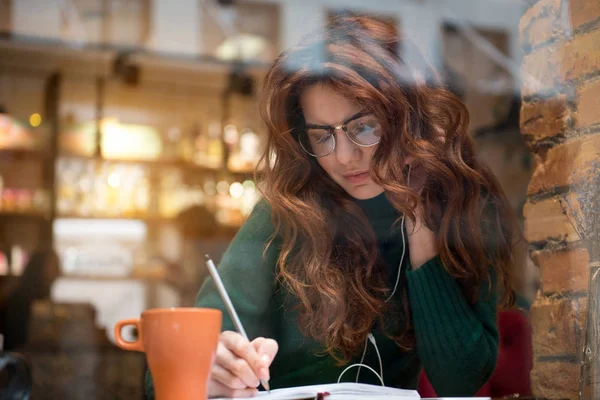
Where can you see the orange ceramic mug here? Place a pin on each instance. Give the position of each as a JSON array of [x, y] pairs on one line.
[[180, 346]]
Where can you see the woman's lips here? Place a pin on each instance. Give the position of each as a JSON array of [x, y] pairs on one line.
[[356, 178]]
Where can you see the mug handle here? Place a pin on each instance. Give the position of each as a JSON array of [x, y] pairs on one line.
[[134, 346]]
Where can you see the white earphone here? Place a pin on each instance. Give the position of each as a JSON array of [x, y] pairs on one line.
[[370, 337]]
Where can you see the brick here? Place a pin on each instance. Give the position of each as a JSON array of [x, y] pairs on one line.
[[580, 57], [556, 328], [545, 118], [544, 220], [540, 71], [555, 380], [582, 304], [552, 378], [550, 68], [563, 271], [588, 105], [583, 11], [564, 164], [540, 23]]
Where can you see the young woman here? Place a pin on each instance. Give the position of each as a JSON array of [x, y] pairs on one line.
[[380, 241]]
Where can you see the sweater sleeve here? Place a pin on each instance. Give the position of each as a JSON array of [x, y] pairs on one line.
[[248, 274], [457, 342]]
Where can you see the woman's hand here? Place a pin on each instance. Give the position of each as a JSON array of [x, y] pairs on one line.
[[239, 365], [421, 240]]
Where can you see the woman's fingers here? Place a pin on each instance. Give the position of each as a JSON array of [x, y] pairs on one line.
[[238, 367], [238, 356], [266, 349], [242, 348], [217, 389], [225, 377]]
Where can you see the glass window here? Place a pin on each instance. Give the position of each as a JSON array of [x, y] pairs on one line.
[[138, 136]]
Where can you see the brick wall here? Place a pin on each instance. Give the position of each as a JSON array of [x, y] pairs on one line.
[[560, 119]]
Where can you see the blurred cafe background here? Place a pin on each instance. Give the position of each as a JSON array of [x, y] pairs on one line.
[[129, 136]]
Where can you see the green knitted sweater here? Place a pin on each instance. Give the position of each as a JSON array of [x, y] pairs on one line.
[[456, 342]]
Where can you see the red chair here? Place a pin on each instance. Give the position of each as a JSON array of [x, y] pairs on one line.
[[515, 360]]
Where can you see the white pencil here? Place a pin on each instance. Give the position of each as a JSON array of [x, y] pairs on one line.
[[229, 305]]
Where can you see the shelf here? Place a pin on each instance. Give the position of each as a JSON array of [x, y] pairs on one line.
[[147, 218], [160, 163], [42, 155], [84, 277], [24, 214], [38, 155], [47, 217]]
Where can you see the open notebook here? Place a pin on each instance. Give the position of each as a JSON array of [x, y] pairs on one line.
[[347, 391], [340, 391]]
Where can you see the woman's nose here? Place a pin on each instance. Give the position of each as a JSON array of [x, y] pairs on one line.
[[345, 150]]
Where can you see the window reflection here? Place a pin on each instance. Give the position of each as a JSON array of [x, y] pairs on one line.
[[131, 144]]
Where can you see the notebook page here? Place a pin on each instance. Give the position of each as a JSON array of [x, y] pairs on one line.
[[340, 391]]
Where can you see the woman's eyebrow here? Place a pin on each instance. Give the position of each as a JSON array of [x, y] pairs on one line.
[[353, 117]]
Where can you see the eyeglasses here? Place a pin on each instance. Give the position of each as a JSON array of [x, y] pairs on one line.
[[319, 140]]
